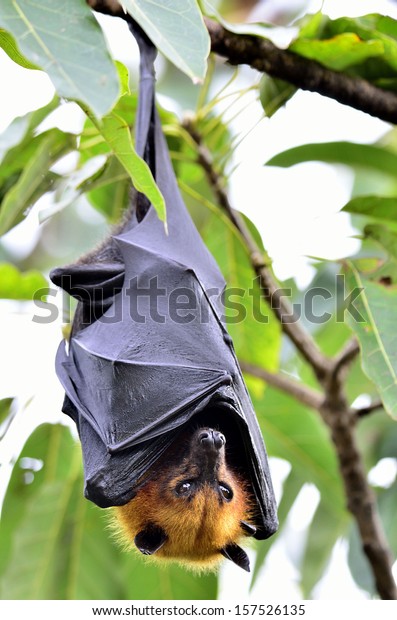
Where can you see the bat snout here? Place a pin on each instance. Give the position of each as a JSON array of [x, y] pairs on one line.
[[211, 440]]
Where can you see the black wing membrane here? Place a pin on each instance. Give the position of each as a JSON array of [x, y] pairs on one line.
[[157, 356]]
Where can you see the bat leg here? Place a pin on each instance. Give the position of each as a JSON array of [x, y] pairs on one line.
[[247, 528], [237, 555], [150, 540]]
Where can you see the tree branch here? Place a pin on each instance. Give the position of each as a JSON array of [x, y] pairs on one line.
[[108, 7], [361, 500], [340, 365], [304, 73], [346, 356], [282, 382]]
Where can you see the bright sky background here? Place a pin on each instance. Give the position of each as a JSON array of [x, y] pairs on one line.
[[296, 211]]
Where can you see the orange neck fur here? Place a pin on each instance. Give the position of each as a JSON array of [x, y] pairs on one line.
[[196, 529]]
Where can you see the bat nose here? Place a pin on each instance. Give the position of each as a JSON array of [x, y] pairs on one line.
[[211, 439]]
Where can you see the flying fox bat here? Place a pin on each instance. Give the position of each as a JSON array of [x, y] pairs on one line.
[[167, 428]]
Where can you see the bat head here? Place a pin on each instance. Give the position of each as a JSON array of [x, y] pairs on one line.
[[194, 508]]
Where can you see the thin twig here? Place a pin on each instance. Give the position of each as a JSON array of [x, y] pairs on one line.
[[362, 412], [284, 383], [346, 356], [340, 365]]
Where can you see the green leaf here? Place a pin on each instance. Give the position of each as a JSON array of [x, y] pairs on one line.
[[44, 458], [338, 52], [365, 46], [105, 183], [68, 44], [20, 131], [312, 25], [323, 533], [89, 567], [364, 155], [331, 338], [177, 29], [117, 135], [377, 305], [110, 192], [385, 237], [377, 438], [8, 44], [146, 580], [92, 142], [30, 572], [70, 187], [17, 285], [250, 322], [5, 406], [112, 137], [53, 541], [379, 207], [61, 550], [298, 435], [358, 562], [35, 179], [274, 93], [291, 489], [13, 135], [368, 28], [387, 501]]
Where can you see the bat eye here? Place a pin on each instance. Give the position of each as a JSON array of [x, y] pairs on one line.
[[183, 489], [226, 491]]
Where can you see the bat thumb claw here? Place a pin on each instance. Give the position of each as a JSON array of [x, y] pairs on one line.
[[237, 555], [150, 539]]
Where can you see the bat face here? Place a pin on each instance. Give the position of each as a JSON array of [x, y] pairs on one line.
[[194, 508]]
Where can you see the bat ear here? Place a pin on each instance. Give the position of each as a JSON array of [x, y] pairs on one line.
[[237, 555], [150, 540], [247, 528]]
